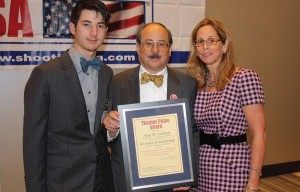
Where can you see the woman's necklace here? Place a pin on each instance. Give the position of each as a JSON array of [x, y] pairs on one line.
[[208, 82]]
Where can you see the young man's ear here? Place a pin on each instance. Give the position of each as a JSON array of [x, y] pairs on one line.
[[72, 28]]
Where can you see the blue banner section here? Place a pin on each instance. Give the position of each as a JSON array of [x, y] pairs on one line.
[[109, 57]]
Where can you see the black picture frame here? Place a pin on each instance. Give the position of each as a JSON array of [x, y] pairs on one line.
[[148, 168]]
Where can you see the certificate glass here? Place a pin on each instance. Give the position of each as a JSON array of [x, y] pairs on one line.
[[157, 145]]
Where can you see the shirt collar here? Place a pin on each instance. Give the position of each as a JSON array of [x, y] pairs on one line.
[[75, 56], [162, 72]]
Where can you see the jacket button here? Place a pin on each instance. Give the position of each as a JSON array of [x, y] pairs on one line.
[[93, 161]]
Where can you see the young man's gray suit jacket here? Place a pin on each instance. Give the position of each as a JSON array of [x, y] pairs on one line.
[[59, 149]]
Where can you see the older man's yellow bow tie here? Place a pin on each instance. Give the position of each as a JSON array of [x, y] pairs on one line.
[[156, 79]]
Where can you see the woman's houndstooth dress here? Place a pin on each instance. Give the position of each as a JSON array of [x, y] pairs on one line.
[[221, 112]]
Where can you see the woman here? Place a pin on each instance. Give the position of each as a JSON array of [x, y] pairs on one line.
[[229, 100]]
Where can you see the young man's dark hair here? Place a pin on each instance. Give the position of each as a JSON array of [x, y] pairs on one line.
[[94, 5]]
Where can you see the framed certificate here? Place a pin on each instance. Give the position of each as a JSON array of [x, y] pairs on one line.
[[157, 145]]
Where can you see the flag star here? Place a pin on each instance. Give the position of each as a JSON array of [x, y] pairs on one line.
[[51, 29], [64, 8], [48, 17], [46, 4], [69, 1], [66, 19], [57, 2], [58, 34], [60, 15], [55, 22], [63, 27], [53, 9], [67, 31]]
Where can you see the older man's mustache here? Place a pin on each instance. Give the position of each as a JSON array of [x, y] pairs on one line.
[[155, 56]]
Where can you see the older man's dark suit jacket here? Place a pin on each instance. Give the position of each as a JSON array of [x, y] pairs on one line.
[[59, 150], [126, 90]]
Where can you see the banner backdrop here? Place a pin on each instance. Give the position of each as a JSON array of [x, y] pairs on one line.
[[35, 31]]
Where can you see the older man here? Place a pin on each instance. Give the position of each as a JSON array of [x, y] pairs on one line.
[[154, 42]]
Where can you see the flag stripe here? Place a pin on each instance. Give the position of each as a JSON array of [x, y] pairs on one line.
[[120, 6], [127, 14], [124, 33], [125, 19], [126, 23]]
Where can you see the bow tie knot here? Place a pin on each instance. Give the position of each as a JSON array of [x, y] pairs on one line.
[[156, 79], [95, 63]]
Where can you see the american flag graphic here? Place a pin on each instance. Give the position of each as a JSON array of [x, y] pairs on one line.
[[126, 17]]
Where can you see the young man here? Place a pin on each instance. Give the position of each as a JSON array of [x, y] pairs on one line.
[[153, 46], [64, 100]]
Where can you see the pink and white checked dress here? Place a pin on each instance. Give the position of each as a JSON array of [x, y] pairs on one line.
[[221, 112]]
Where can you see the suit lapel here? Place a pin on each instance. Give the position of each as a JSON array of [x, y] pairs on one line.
[[102, 93], [74, 84], [173, 84], [133, 86]]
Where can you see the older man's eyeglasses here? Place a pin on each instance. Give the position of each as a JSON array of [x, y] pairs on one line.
[[209, 42], [149, 44]]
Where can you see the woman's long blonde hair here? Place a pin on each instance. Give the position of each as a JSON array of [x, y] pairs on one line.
[[198, 68]]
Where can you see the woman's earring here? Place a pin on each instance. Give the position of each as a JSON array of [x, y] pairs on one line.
[[224, 51]]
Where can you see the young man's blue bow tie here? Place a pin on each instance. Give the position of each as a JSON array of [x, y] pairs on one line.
[[95, 63]]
